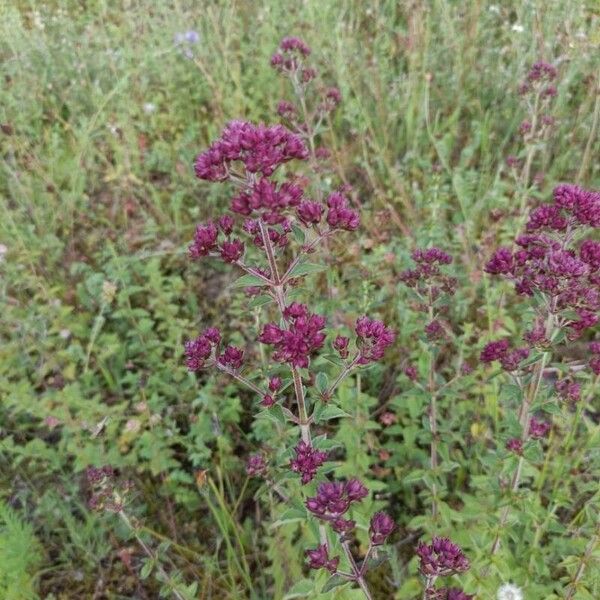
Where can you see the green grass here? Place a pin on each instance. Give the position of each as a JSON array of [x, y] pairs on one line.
[[96, 187]]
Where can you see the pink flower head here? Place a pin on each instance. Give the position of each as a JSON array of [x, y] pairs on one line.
[[205, 240], [339, 215], [226, 224], [286, 109], [275, 383], [198, 351], [303, 338], [434, 330], [294, 44], [501, 262], [341, 345], [310, 213], [256, 465], [494, 351], [373, 339], [441, 558], [318, 558], [232, 251], [542, 71], [515, 445], [307, 461], [333, 499], [411, 372], [568, 390], [538, 429], [267, 401], [232, 357], [260, 148], [381, 527]]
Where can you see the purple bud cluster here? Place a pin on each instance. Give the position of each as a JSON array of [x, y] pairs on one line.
[[303, 337], [373, 339], [499, 351], [318, 558], [198, 351], [547, 260], [332, 501], [380, 528], [256, 465], [538, 429], [261, 149], [307, 461], [515, 445], [568, 390], [441, 558], [107, 493], [595, 359]]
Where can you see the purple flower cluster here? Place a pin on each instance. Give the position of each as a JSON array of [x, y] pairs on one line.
[[107, 493], [318, 558], [568, 390], [441, 558], [232, 357], [307, 461], [289, 57], [205, 242], [380, 528], [515, 445], [198, 351], [261, 148], [373, 339], [499, 351], [339, 215], [539, 429], [333, 500], [256, 465], [303, 337], [549, 262]]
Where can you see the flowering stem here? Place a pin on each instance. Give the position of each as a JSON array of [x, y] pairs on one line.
[[585, 559], [240, 378], [357, 573], [432, 419], [149, 553], [343, 374]]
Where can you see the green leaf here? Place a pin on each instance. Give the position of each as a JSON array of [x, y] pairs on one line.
[[291, 515], [333, 582], [326, 412], [147, 568], [298, 234], [300, 590], [260, 301], [249, 281], [322, 382], [306, 269]]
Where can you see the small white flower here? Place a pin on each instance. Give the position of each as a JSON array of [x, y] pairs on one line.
[[510, 592], [149, 108], [518, 28], [494, 8]]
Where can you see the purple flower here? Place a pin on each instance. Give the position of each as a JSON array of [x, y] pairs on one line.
[[303, 338], [538, 429], [494, 351], [307, 461], [318, 558], [381, 527], [339, 216], [232, 251], [333, 499], [515, 445], [286, 109], [205, 240], [541, 71], [232, 357], [198, 351], [341, 345], [441, 558], [260, 148], [294, 44], [546, 216], [310, 213], [568, 390], [434, 330], [275, 383], [373, 339], [226, 224], [511, 360], [256, 465], [267, 401]]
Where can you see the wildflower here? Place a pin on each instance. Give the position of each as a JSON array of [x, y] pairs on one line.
[[256, 465], [494, 351], [286, 109], [512, 161], [508, 591], [411, 372], [515, 445], [333, 499], [387, 418], [149, 108], [310, 213], [373, 339], [232, 357], [542, 70], [441, 558], [198, 351], [595, 360], [538, 429], [267, 401], [380, 528], [568, 390], [341, 345], [226, 223], [205, 240], [260, 148], [295, 344], [275, 383], [318, 558], [232, 251], [434, 330], [307, 461], [339, 216]]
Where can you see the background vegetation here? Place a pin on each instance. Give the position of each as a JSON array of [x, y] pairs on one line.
[[101, 116]]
